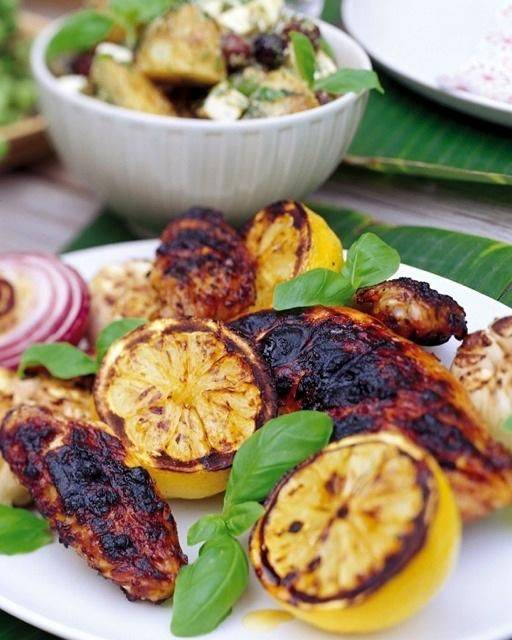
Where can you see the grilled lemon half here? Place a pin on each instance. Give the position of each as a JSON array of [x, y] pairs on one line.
[[183, 395], [358, 537], [287, 239]]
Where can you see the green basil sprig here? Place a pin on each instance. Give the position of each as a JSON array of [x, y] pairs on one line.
[[21, 531], [337, 83], [85, 29], [370, 260], [80, 32], [207, 589], [65, 361]]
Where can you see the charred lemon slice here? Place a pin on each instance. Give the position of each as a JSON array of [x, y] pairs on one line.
[[183, 396], [287, 239], [360, 536]]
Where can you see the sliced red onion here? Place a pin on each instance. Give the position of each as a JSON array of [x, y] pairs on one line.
[[51, 303]]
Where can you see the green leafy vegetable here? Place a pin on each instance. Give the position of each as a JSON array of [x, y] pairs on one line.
[[17, 90], [21, 531], [80, 32], [207, 589], [304, 56], [272, 451], [61, 359], [65, 361], [327, 49], [139, 12], [113, 332], [370, 260], [507, 425], [270, 94], [206, 528], [347, 80], [241, 517]]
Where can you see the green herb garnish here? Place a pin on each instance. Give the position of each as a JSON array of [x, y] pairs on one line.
[[304, 56], [370, 260], [81, 32], [270, 94], [347, 80], [207, 589], [65, 361], [17, 91], [507, 425], [21, 531]]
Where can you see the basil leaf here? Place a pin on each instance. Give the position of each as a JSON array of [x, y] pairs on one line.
[[61, 359], [272, 451], [241, 517], [81, 32], [207, 589], [347, 80], [370, 260], [140, 12], [326, 48], [507, 425], [315, 287], [21, 531], [304, 56], [269, 94], [206, 528], [113, 332]]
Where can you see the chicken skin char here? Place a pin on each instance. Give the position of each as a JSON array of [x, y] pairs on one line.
[[106, 511], [414, 310], [203, 268], [369, 379]]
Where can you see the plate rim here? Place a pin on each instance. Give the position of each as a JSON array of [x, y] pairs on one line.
[[496, 112]]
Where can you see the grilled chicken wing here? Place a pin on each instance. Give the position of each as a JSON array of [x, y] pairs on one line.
[[108, 512], [203, 268], [368, 379], [414, 310]]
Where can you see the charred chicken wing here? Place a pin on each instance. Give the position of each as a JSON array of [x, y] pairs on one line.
[[369, 379], [106, 511], [414, 310], [203, 268]]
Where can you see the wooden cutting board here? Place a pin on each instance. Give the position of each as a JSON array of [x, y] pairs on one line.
[[26, 139]]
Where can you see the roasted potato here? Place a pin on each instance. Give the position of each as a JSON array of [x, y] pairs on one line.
[[125, 86], [281, 92], [203, 268], [182, 47], [122, 291]]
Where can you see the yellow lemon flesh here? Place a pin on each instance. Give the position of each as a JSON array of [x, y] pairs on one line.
[[287, 239], [359, 537], [183, 395]]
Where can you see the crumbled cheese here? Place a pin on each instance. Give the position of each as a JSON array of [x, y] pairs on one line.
[[225, 103], [213, 8], [324, 65], [253, 16], [73, 83], [120, 54]]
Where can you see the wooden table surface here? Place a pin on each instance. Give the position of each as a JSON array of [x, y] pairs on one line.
[[43, 207]]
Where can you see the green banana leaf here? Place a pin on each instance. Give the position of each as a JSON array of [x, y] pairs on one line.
[[405, 133]]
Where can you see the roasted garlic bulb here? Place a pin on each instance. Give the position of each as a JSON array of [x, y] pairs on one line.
[[484, 366]]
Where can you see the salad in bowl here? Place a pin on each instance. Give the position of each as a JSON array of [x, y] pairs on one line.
[[223, 60]]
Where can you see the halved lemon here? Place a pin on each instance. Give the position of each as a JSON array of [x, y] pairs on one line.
[[183, 395], [358, 537], [287, 239]]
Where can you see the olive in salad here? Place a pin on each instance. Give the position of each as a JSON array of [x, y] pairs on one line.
[[221, 60]]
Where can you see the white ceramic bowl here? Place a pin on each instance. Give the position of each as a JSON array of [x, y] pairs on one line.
[[149, 167]]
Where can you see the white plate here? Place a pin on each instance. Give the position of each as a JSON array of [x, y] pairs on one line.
[[54, 589], [417, 41]]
